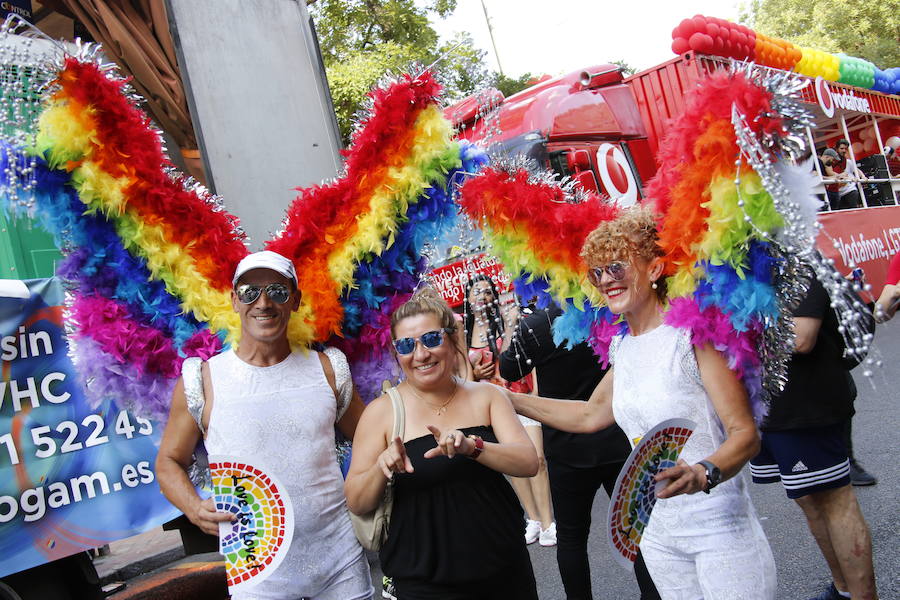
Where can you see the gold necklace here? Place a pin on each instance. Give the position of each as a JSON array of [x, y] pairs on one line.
[[440, 410]]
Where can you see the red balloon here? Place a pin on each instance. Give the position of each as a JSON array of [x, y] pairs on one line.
[[680, 45], [699, 23], [718, 46], [700, 42], [686, 28], [712, 29], [725, 45]]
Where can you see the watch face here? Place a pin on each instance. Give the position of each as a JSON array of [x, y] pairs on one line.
[[713, 474]]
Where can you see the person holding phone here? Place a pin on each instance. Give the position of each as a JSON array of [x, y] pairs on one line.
[[487, 336]]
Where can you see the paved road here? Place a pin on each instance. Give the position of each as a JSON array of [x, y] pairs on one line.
[[802, 572]]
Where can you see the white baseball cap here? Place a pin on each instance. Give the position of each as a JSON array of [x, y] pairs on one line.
[[266, 259]]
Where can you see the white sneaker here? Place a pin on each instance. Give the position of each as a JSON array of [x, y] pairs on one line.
[[532, 531], [548, 536]]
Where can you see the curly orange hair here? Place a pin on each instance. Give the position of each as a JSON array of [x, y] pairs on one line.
[[632, 234]]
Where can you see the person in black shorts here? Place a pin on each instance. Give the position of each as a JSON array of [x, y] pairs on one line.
[[579, 464], [803, 446]]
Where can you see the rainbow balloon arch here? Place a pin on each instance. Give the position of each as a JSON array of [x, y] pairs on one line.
[[718, 37]]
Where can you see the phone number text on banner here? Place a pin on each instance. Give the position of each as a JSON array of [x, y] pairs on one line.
[[72, 476]]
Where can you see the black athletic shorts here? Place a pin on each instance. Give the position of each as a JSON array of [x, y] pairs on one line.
[[803, 460]]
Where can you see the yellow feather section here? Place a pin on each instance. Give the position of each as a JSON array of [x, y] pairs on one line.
[[68, 133], [101, 191], [682, 283]]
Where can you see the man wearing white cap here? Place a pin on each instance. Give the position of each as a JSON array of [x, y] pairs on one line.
[[276, 410]]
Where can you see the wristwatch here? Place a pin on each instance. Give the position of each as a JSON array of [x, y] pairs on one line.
[[479, 446], [713, 475]]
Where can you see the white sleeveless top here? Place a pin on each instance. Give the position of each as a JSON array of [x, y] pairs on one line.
[[656, 377], [281, 419]]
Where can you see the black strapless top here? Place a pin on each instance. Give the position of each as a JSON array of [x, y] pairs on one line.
[[454, 520]]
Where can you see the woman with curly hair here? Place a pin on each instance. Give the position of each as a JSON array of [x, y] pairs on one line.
[[708, 544]]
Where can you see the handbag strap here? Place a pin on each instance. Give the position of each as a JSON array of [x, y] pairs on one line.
[[399, 409]]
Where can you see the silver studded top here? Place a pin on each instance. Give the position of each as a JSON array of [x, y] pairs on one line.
[[193, 389], [341, 379]]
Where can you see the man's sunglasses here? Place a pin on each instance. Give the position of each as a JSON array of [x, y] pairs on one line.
[[277, 292], [615, 270], [429, 339]]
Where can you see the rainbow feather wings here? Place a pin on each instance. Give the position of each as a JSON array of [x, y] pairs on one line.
[[149, 255], [717, 223]]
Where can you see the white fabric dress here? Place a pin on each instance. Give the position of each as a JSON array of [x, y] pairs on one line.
[[698, 545], [281, 419]]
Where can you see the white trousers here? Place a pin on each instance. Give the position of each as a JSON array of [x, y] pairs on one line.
[[729, 562]]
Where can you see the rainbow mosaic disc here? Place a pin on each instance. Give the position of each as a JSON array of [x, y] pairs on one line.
[[257, 541], [634, 496]]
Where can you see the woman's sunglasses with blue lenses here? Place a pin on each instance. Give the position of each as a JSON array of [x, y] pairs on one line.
[[248, 293], [429, 339]]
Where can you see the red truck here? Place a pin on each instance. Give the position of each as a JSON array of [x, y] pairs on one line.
[[603, 129]]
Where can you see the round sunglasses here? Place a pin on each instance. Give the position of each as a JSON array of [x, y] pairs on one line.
[[429, 339], [248, 293], [615, 270]]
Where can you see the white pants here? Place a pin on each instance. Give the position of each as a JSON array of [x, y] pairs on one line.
[[353, 583], [733, 562]]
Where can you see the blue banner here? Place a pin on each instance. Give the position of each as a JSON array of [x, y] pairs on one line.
[[72, 476]]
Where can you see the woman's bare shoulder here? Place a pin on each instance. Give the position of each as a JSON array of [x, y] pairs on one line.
[[380, 406]]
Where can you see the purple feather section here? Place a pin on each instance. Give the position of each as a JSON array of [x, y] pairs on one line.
[[105, 378], [368, 374]]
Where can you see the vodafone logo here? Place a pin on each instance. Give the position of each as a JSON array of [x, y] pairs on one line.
[[845, 99], [616, 175], [823, 95]]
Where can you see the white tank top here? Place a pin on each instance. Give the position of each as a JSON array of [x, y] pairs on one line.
[[281, 419], [655, 378]]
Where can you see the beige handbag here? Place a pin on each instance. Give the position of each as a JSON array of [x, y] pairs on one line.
[[371, 529]]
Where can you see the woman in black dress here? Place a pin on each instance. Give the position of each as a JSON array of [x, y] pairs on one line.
[[456, 531]]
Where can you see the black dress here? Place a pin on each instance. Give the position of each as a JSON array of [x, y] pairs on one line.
[[457, 529]]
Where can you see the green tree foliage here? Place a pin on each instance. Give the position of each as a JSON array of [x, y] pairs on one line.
[[512, 85], [625, 67], [461, 66], [866, 29], [361, 40]]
